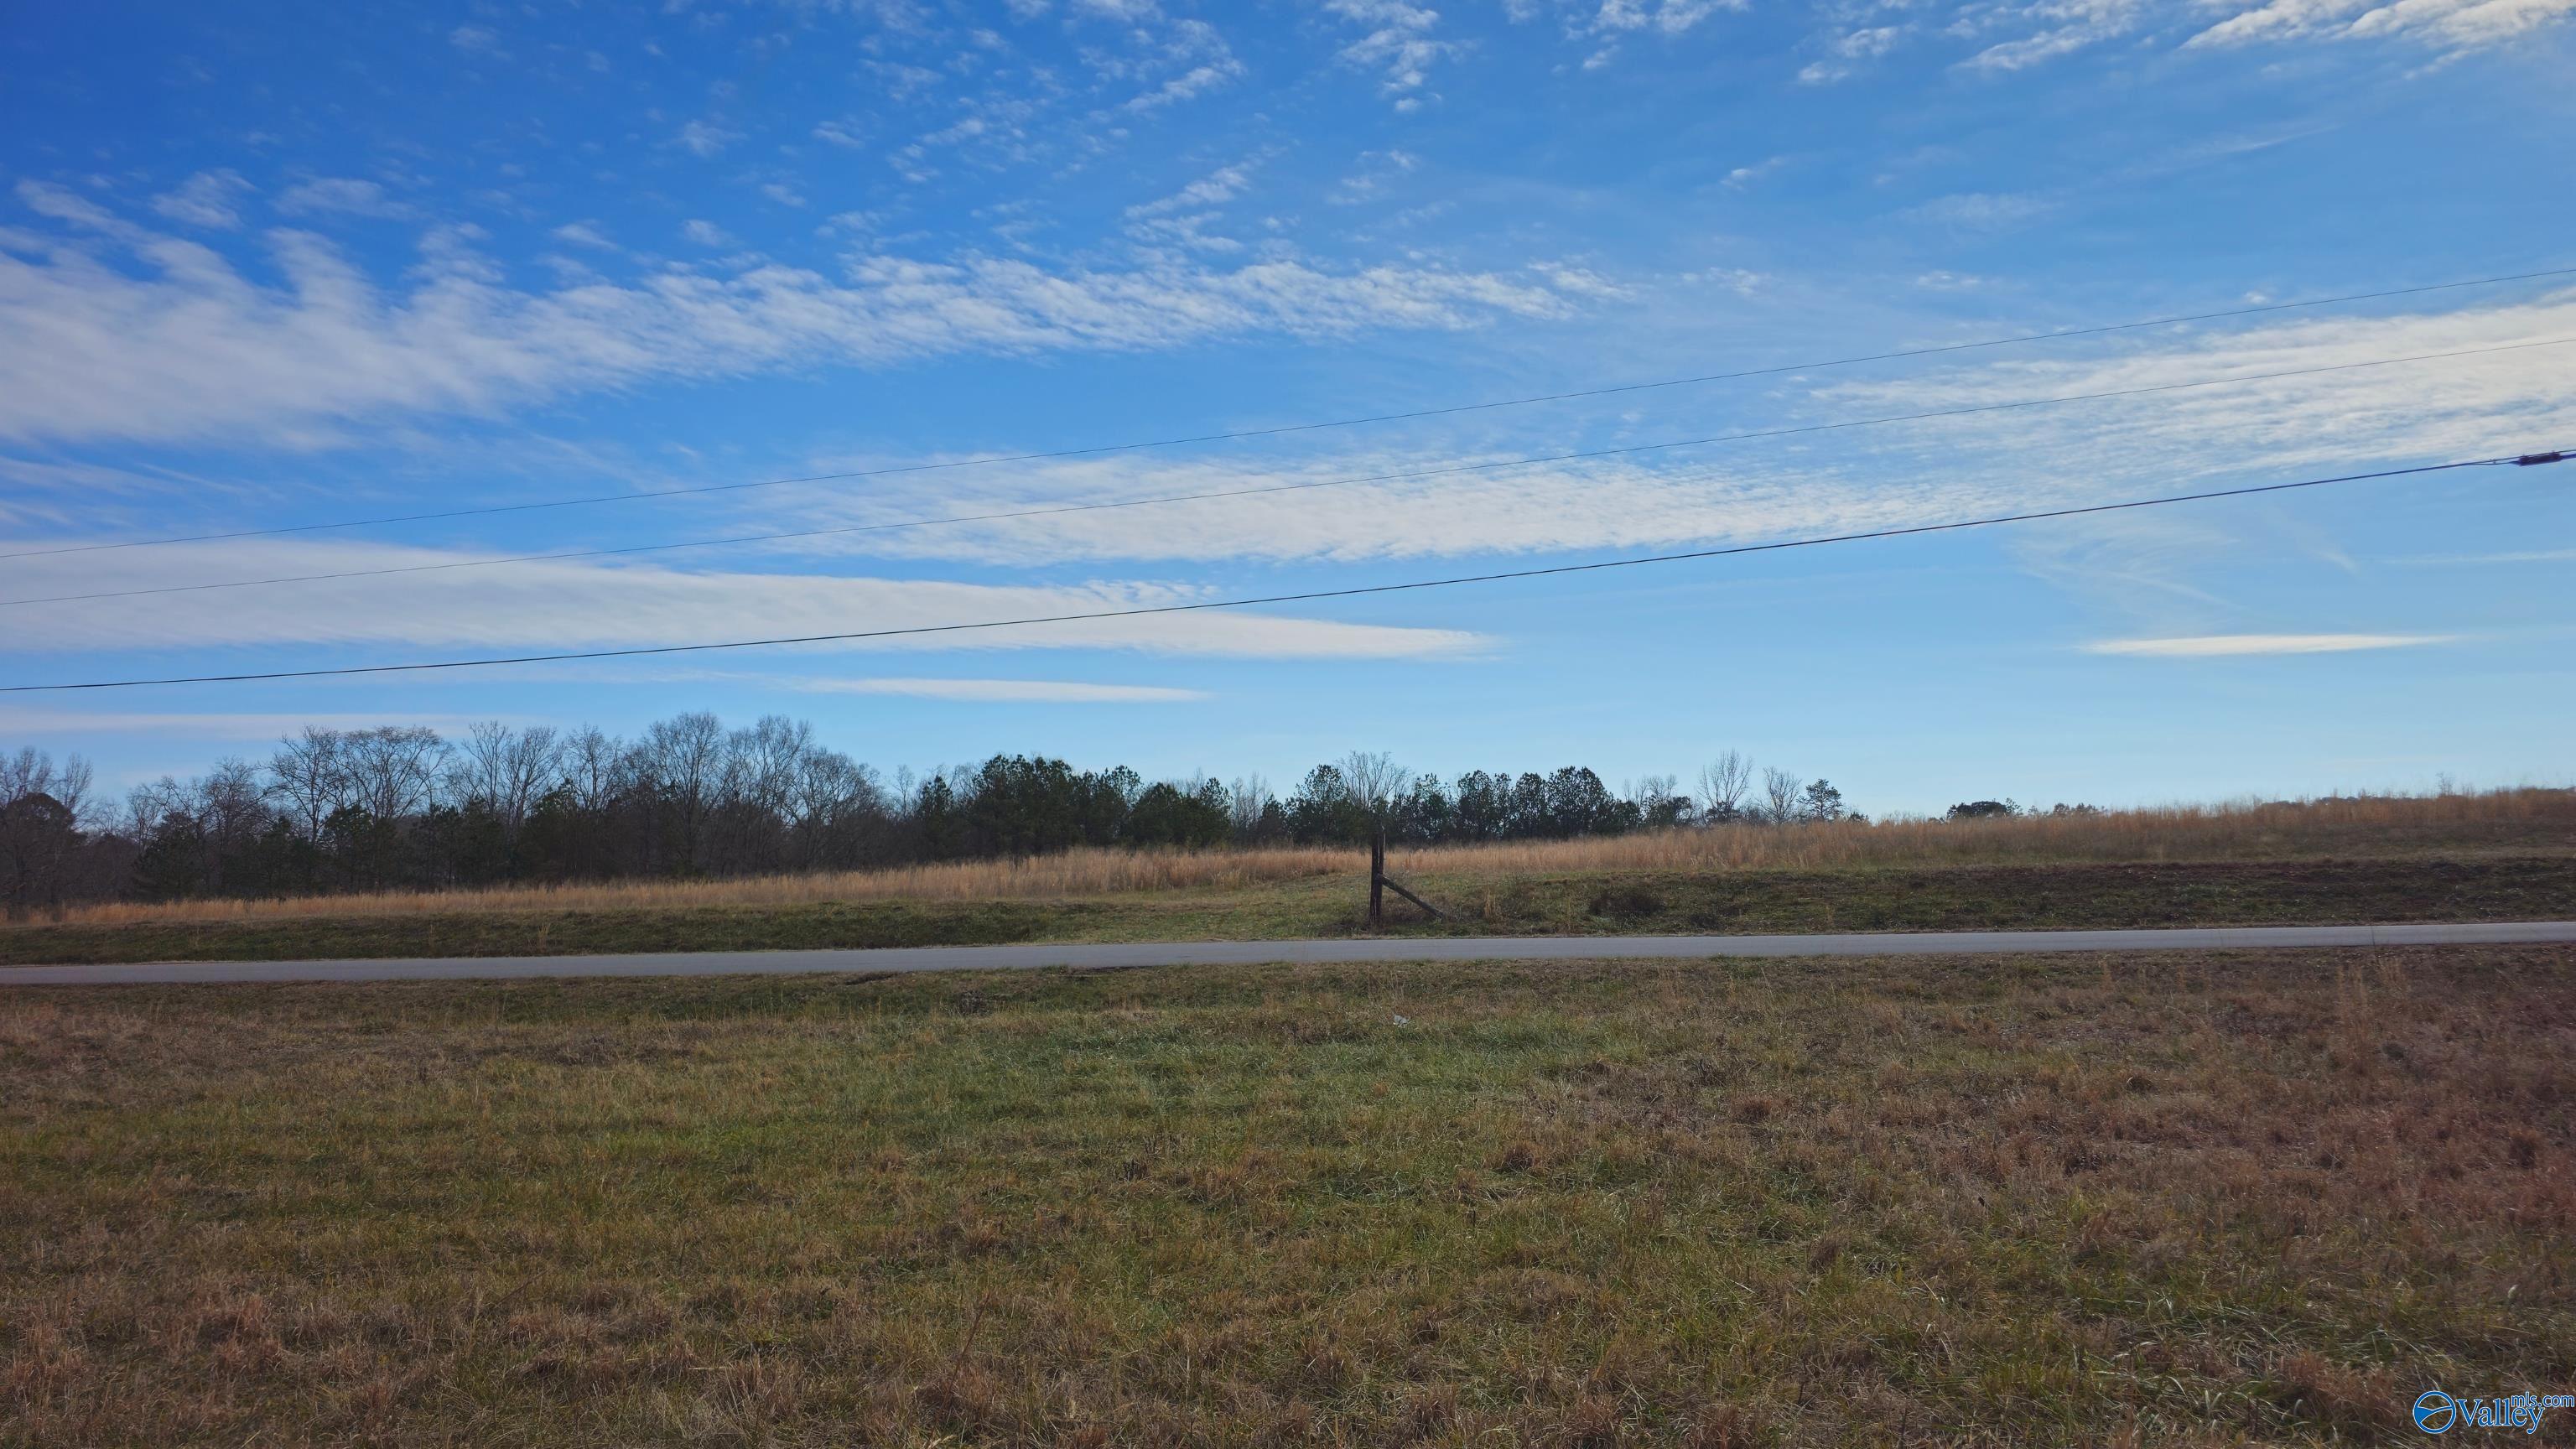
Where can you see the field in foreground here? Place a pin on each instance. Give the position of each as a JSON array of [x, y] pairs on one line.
[[2256, 1197]]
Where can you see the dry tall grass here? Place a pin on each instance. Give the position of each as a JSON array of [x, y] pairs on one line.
[[2520, 821]]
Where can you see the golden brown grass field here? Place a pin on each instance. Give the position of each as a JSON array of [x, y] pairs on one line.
[[2496, 822], [2496, 856], [2235, 1199]]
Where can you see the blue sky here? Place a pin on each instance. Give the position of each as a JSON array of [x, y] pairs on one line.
[[266, 266]]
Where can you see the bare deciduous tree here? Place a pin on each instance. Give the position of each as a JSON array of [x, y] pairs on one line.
[[232, 803], [1723, 784], [1780, 796], [830, 792], [593, 764], [764, 761], [684, 758], [393, 771], [43, 811], [30, 773], [310, 777], [1245, 800], [508, 770], [534, 766], [1374, 779], [1649, 792]]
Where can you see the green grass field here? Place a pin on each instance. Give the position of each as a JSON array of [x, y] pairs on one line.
[[1878, 898], [2233, 1199]]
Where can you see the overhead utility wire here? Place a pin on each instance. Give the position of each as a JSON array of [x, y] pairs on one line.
[[1062, 508], [2523, 460], [1283, 429]]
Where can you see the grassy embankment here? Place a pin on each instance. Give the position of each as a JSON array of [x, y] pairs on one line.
[[2507, 855], [2264, 1198]]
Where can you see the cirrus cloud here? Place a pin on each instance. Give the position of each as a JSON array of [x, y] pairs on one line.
[[2215, 646], [575, 604], [129, 334], [2449, 24], [205, 199], [1004, 691]]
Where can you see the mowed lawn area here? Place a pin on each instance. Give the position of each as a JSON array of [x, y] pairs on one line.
[[2254, 1197]]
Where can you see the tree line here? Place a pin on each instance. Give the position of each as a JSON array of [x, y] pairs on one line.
[[403, 808]]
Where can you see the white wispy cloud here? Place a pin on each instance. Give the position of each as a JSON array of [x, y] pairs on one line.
[[62, 204], [2212, 646], [2174, 567], [1606, 23], [1198, 60], [1982, 210], [344, 195], [87, 481], [1935, 470], [1742, 281], [172, 340], [2065, 26], [207, 199], [1670, 17], [2279, 20], [1920, 473], [1189, 232], [1182, 218], [705, 138], [1752, 171], [1003, 691], [1616, 20], [1373, 175], [24, 720], [2041, 31], [2361, 414], [576, 605], [1399, 44], [2512, 556], [2443, 24], [1198, 80], [1541, 510], [1931, 471], [1218, 186], [1848, 50]]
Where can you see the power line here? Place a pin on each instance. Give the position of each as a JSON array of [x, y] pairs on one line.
[[1243, 434], [2523, 459], [1055, 509]]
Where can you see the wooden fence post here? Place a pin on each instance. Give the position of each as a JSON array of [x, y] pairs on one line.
[[1380, 883], [1377, 878]]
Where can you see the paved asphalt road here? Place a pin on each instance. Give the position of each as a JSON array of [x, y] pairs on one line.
[[1193, 953]]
